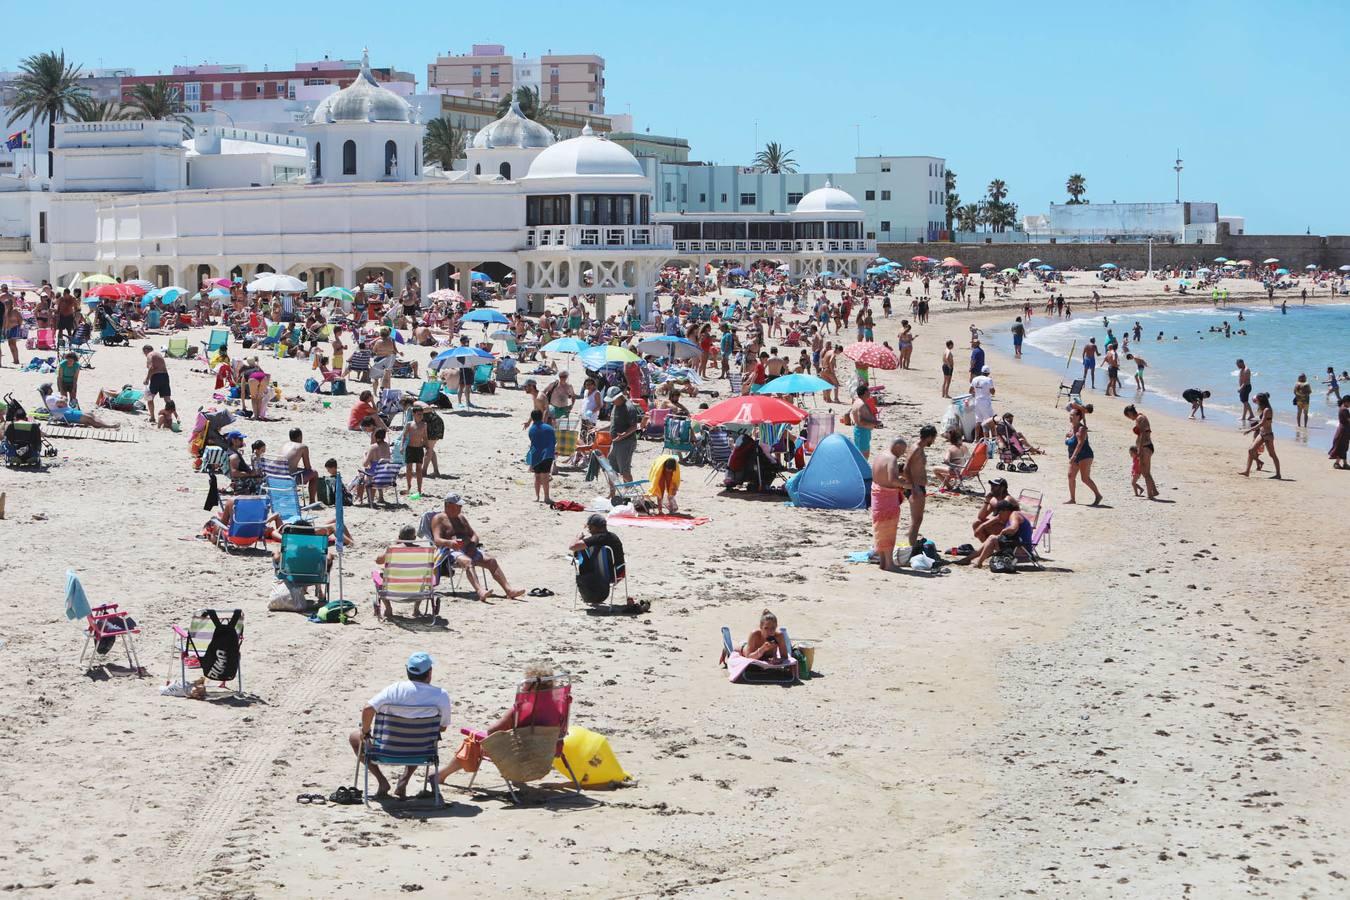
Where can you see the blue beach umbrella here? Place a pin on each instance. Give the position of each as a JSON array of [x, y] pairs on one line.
[[486, 316], [880, 260], [1108, 266], [596, 357], [795, 384], [827, 274], [461, 357], [1281, 271], [744, 292], [566, 345], [670, 347], [481, 276], [1043, 267], [738, 271]]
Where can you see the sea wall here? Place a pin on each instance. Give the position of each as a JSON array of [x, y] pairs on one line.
[[1293, 250]]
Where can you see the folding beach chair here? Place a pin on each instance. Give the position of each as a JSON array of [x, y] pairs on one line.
[[104, 627], [819, 425], [737, 380], [656, 425], [205, 645], [45, 339], [248, 527], [212, 461], [360, 364], [429, 392], [1029, 502], [1073, 390], [390, 405], [1040, 540], [79, 344], [618, 489], [613, 572], [678, 436], [283, 494], [403, 740], [971, 470], [408, 576], [758, 671], [383, 476], [304, 559], [719, 452], [273, 336], [526, 752], [219, 340], [178, 348]]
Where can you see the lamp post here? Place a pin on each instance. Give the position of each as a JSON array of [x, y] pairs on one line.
[[1177, 169]]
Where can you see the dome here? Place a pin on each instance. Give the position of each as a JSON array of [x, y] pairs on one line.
[[512, 130], [363, 101], [585, 156], [828, 199]]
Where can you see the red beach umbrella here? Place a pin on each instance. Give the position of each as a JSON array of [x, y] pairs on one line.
[[755, 409], [872, 355], [120, 291]]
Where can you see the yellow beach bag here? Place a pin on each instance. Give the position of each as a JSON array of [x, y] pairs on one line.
[[591, 757]]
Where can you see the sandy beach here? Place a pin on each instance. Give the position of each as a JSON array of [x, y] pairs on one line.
[[1159, 714]]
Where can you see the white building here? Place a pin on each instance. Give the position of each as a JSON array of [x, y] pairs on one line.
[[1186, 222], [348, 197], [902, 198]]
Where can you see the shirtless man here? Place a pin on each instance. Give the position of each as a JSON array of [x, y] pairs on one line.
[[156, 379], [775, 365], [1090, 362], [829, 359], [1111, 359], [559, 396], [378, 451], [450, 529], [384, 353], [887, 482], [296, 453], [65, 317], [864, 421], [915, 473], [415, 450], [948, 366], [1245, 390]]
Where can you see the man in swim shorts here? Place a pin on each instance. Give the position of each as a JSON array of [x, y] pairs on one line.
[[156, 379], [864, 420], [915, 473], [384, 353], [886, 486]]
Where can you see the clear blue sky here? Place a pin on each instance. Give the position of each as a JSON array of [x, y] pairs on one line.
[[1253, 93]]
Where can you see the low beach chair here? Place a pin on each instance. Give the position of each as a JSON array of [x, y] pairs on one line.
[[408, 576], [383, 476], [212, 461], [618, 489], [360, 364], [283, 495], [1073, 390], [656, 425], [526, 752], [273, 335], [178, 348], [403, 740], [1029, 501], [758, 671], [429, 392], [616, 573], [390, 405], [247, 529], [44, 339], [737, 382], [104, 625], [972, 469], [1030, 551], [678, 435], [219, 340], [719, 453], [304, 559], [193, 647]]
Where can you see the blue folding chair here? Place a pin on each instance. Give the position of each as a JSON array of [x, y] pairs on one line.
[[403, 740], [247, 528], [284, 496], [304, 559]]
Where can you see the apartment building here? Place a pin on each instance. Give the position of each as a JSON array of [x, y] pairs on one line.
[[202, 86], [573, 83]]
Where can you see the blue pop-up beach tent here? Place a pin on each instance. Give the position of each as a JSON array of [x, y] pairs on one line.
[[836, 477]]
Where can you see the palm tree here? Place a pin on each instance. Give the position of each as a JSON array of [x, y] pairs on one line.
[[158, 100], [953, 205], [775, 160], [443, 143], [87, 109], [950, 181], [1076, 187], [1002, 216], [531, 105], [47, 88], [968, 216], [997, 190]]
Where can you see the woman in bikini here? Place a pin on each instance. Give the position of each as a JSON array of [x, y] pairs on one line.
[[1264, 429], [1080, 454], [1143, 443]]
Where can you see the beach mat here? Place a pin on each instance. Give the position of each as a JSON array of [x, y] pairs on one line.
[[671, 523], [109, 435]]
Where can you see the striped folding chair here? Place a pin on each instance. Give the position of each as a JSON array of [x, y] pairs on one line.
[[568, 434], [408, 576], [411, 739], [383, 476], [191, 642], [284, 496]]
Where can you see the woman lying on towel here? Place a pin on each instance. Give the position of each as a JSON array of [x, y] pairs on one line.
[[764, 644]]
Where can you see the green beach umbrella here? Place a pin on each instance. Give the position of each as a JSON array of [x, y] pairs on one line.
[[337, 293]]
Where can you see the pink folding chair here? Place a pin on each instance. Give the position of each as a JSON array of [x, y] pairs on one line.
[[104, 626], [526, 752]]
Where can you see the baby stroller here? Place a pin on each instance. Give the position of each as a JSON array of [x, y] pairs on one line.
[[1013, 453], [23, 443]]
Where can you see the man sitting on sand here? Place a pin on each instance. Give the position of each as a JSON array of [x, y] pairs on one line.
[[1013, 529], [415, 698], [450, 529]]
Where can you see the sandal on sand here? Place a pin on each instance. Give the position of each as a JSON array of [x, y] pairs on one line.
[[541, 592], [310, 798], [345, 796]]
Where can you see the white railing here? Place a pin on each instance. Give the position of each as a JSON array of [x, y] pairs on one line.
[[599, 237], [824, 245]]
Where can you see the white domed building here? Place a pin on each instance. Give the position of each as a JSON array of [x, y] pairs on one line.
[[343, 145]]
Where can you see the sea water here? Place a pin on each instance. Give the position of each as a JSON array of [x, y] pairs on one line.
[[1276, 347]]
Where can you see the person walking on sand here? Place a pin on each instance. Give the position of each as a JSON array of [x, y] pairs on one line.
[[1019, 331], [1264, 429], [1143, 442], [915, 475], [1080, 454], [1090, 362], [1340, 443], [543, 448], [887, 482], [1140, 365], [156, 379], [1244, 376]]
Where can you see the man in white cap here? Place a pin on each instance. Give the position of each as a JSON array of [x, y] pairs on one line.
[[982, 387], [414, 698]]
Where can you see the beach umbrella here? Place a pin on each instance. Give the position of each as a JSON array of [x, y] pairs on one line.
[[670, 347], [565, 345], [1311, 267], [446, 294], [1281, 271], [1245, 262], [755, 409], [784, 268], [91, 300], [1034, 259], [951, 262], [461, 357], [336, 293], [1221, 259], [99, 278], [918, 259], [1203, 271], [1045, 267], [277, 283], [117, 291], [872, 355], [879, 270], [738, 271], [744, 292], [486, 316], [223, 282], [480, 276], [881, 259], [166, 294], [597, 357], [1183, 283], [1108, 266], [142, 283], [1269, 262], [1344, 269], [988, 266], [827, 274], [796, 384], [1009, 271], [218, 293]]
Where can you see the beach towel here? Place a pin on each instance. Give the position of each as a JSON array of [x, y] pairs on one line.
[[77, 604], [737, 666], [671, 523], [861, 556]]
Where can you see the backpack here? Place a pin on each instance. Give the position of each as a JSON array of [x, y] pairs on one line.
[[1004, 565], [220, 662], [435, 425], [334, 611], [311, 385]]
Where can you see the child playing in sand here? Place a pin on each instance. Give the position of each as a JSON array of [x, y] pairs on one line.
[[168, 417], [1134, 472]]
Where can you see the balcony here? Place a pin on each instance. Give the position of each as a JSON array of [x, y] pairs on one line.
[[823, 245], [599, 237]]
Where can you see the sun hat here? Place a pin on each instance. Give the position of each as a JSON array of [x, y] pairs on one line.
[[985, 370], [419, 663], [613, 394], [454, 498]]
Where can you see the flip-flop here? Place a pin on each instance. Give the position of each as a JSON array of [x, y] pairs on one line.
[[541, 592], [345, 796]]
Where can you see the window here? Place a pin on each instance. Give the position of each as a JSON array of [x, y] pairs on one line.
[[684, 193], [390, 158], [493, 72], [478, 169], [806, 231], [885, 195], [42, 228], [885, 226], [554, 209], [553, 72], [871, 235], [870, 195], [885, 167], [747, 199], [667, 192], [724, 198], [794, 197], [257, 88], [702, 198], [318, 160], [417, 159], [844, 230], [477, 72], [349, 158], [504, 170], [645, 211], [605, 209]]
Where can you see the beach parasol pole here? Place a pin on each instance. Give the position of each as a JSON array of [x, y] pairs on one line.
[[338, 528]]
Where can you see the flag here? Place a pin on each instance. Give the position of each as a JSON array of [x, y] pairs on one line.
[[18, 140]]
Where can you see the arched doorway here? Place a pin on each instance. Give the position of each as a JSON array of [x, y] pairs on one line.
[[505, 170], [349, 158]]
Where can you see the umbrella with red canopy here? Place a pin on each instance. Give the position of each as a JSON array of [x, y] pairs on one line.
[[755, 409], [872, 355], [120, 291]]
